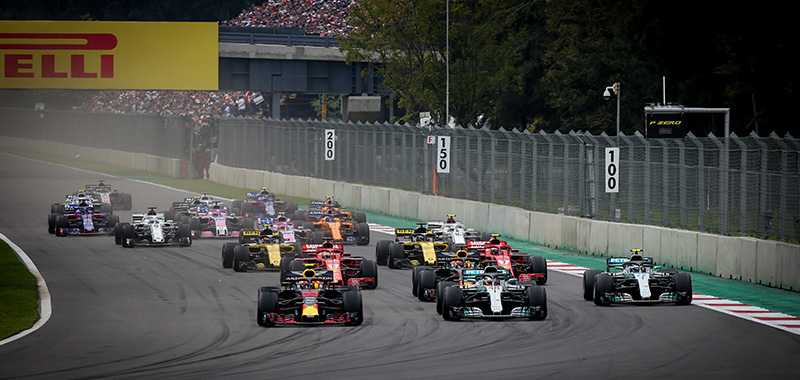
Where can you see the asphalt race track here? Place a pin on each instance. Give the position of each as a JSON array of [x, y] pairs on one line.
[[176, 313]]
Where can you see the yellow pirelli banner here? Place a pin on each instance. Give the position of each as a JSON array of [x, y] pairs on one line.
[[109, 55]]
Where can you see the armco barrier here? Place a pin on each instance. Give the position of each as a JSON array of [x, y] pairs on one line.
[[749, 259]]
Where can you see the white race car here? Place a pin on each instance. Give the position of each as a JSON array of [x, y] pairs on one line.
[[152, 228]]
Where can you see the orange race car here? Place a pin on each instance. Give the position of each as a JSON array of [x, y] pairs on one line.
[[334, 225]]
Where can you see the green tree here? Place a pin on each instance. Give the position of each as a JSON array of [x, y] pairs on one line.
[[407, 40]]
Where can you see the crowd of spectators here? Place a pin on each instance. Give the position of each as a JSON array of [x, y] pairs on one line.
[[329, 18], [167, 103], [316, 17]]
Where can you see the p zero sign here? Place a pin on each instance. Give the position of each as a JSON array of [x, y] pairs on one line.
[[109, 55], [612, 170]]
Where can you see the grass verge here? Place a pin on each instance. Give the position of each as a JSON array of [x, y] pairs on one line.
[[19, 296]]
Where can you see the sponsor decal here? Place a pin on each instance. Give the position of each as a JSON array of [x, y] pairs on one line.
[[109, 55]]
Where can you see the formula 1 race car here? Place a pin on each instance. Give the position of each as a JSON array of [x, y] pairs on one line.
[[290, 231], [492, 293], [81, 219], [454, 233], [636, 280], [81, 198], [427, 282], [346, 269], [115, 198], [262, 204], [215, 221], [521, 265], [258, 250], [411, 247], [152, 229], [309, 297], [330, 225]]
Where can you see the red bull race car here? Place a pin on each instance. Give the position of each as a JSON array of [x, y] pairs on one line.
[[309, 297]]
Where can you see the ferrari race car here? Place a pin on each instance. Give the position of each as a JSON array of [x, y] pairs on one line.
[[114, 198], [521, 265], [636, 280], [331, 225], [262, 205], [81, 219], [411, 247], [346, 269], [152, 229], [309, 297], [492, 293], [258, 250]]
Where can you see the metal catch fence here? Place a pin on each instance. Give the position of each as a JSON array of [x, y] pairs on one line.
[[748, 186]]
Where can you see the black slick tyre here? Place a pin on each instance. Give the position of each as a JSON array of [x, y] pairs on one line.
[[452, 298], [382, 252], [426, 281], [683, 284], [588, 283], [396, 255], [352, 303], [227, 255], [537, 299], [267, 303], [603, 284], [241, 256]]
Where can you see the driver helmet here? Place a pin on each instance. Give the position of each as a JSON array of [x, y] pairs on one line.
[[488, 281], [495, 251], [325, 255]]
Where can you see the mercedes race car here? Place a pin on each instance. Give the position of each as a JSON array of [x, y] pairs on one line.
[[259, 250], [346, 269], [636, 280], [81, 219], [492, 293], [411, 247], [114, 198], [309, 297], [152, 229]]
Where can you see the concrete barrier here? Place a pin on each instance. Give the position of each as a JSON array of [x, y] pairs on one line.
[[766, 262], [749, 259], [787, 262]]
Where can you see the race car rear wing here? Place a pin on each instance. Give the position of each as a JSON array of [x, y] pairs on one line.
[[618, 262], [313, 248]]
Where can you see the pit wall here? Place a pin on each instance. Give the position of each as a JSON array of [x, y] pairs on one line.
[[754, 260]]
